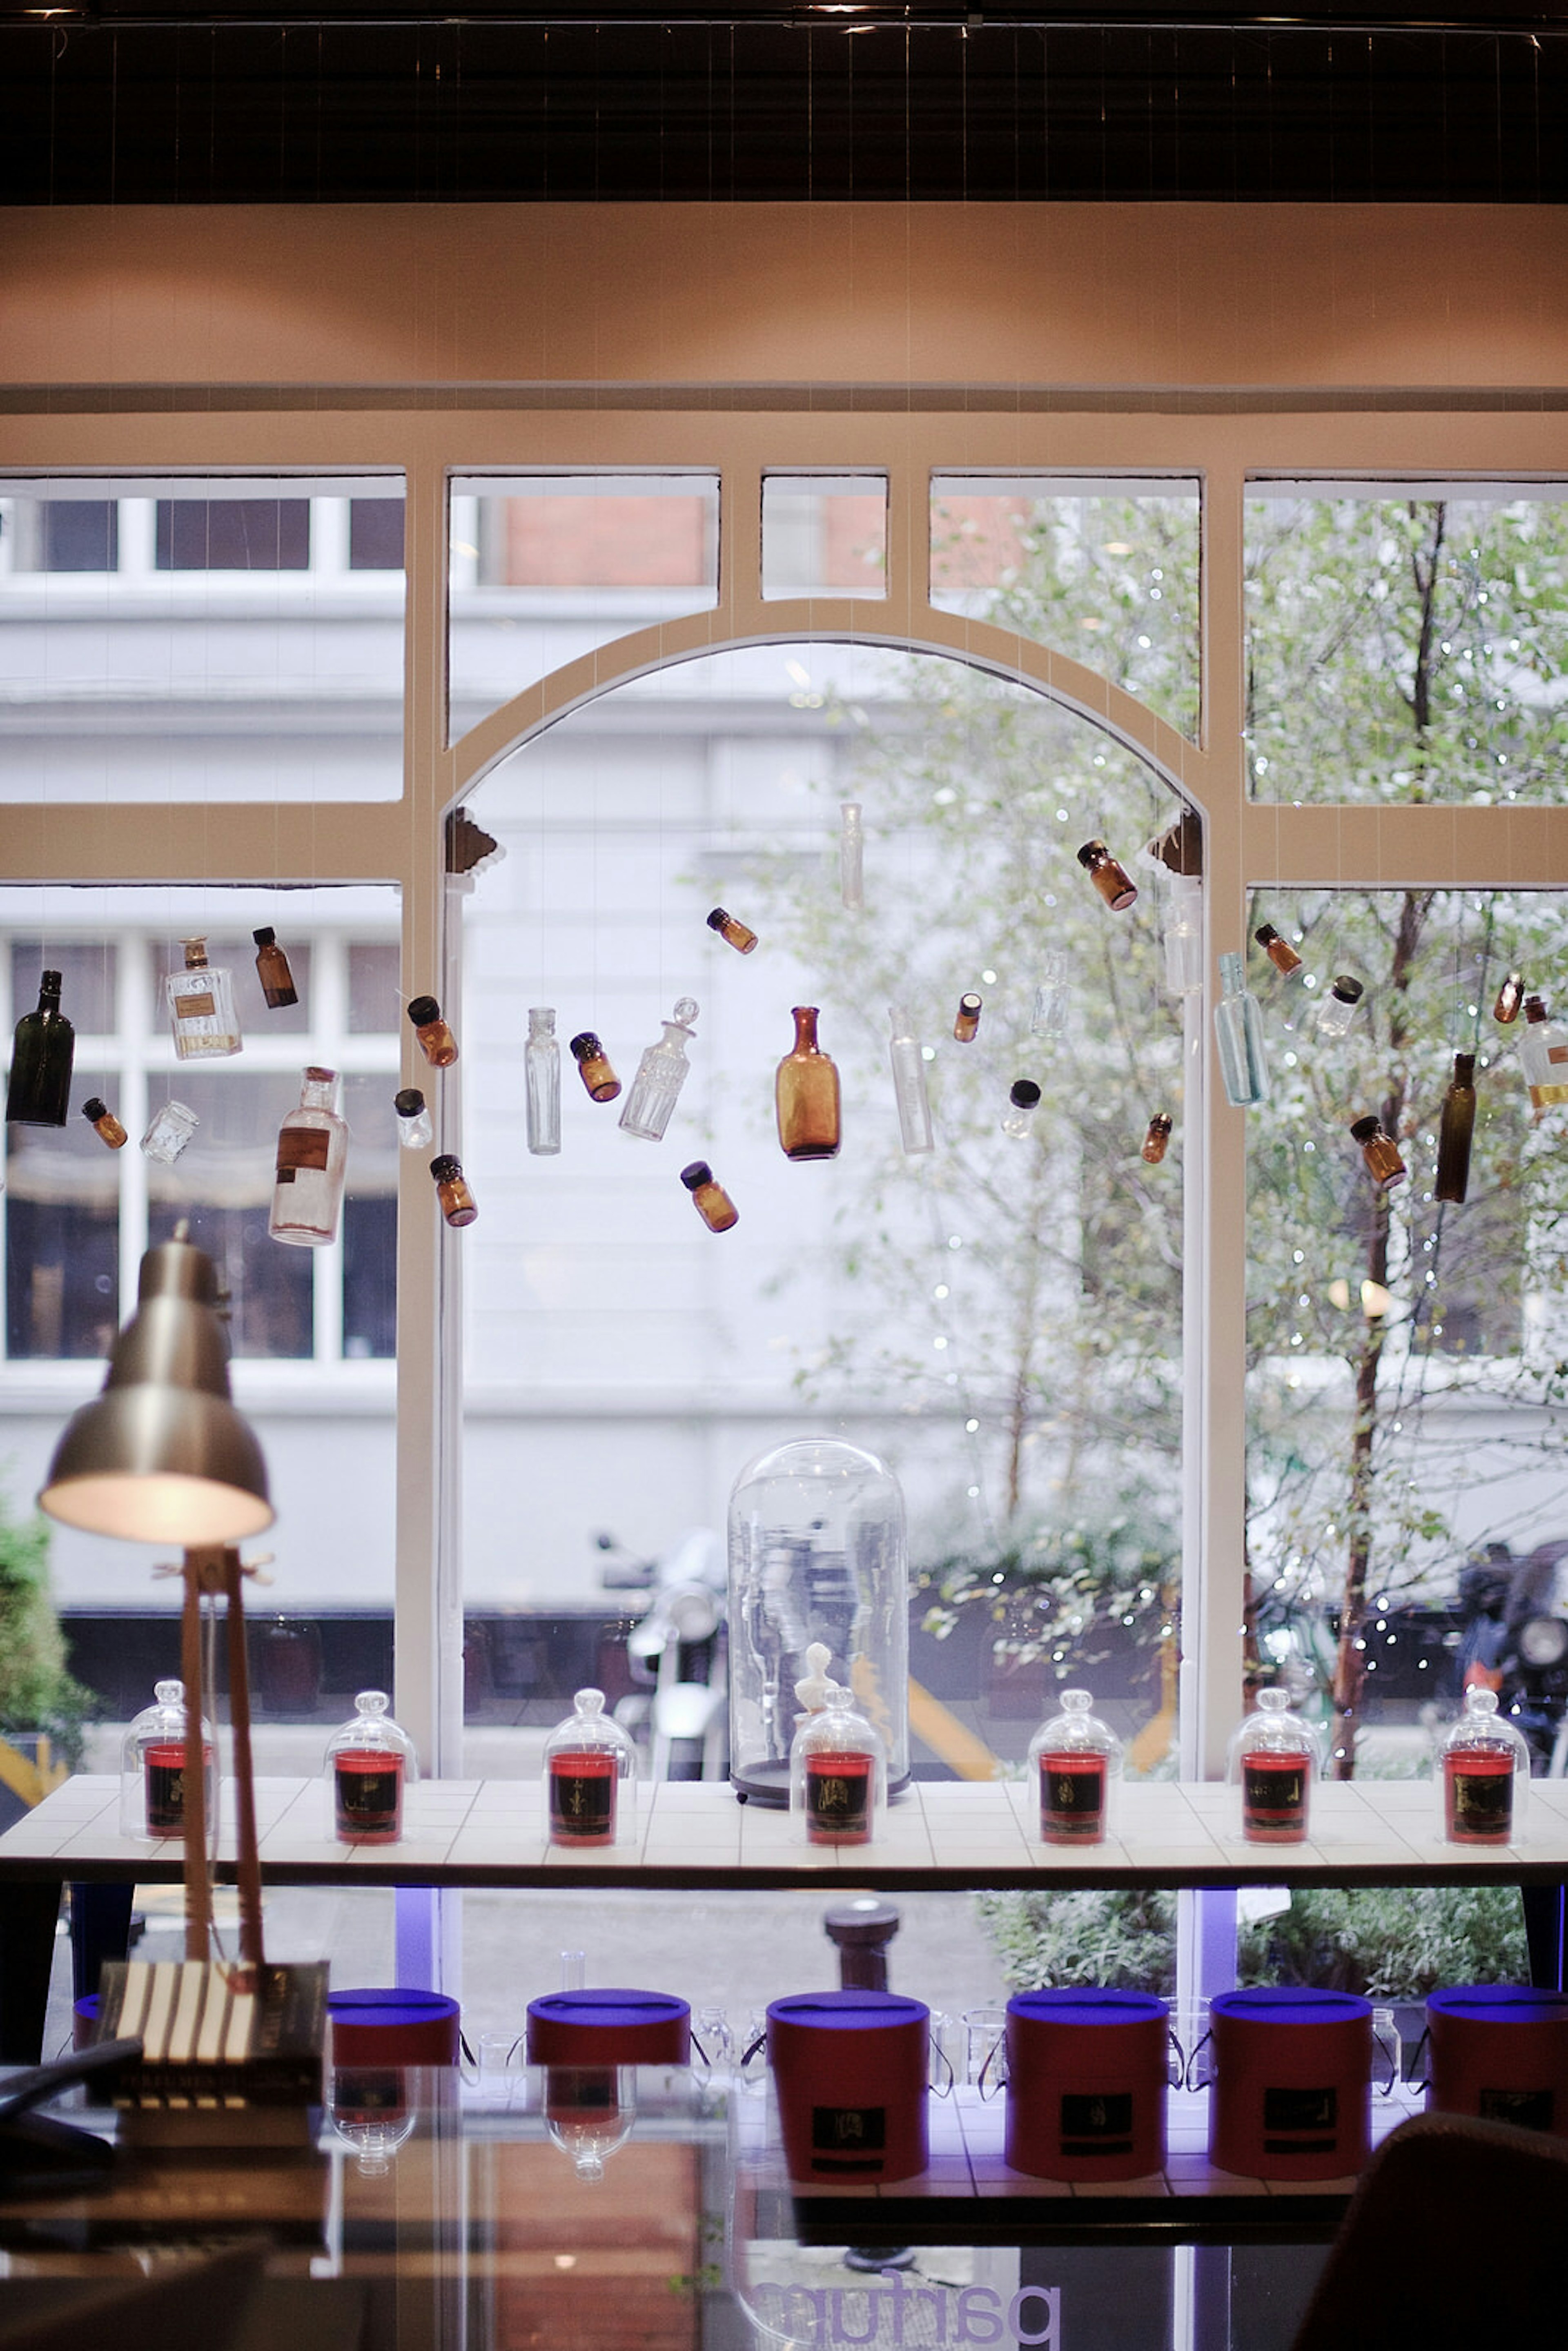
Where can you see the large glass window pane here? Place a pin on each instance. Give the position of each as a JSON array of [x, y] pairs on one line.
[[1407, 641], [545, 568], [62, 1234], [1106, 570], [233, 534], [824, 535]]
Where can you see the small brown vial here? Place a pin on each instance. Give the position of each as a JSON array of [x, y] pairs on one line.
[[1280, 952], [104, 1121], [272, 970], [1158, 1135], [1510, 997], [712, 1202], [1380, 1152], [1113, 881], [734, 934], [457, 1205], [436, 1041], [594, 1070], [968, 1019], [805, 1095]]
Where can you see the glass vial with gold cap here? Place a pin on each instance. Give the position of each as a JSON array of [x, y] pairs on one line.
[[312, 1154], [436, 1041], [805, 1095], [104, 1124], [42, 1058], [1109, 877], [1543, 1056], [711, 1201], [661, 1073], [1157, 1136], [200, 1000], [600, 1081], [590, 1776], [1453, 1134], [1380, 1152], [272, 969], [732, 930], [457, 1202], [370, 1762]]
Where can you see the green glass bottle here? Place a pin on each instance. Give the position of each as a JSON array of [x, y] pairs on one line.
[[41, 1059]]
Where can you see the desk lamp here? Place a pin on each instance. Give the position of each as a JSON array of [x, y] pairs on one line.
[[161, 1455]]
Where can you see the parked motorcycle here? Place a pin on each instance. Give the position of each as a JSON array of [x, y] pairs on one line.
[[1514, 1614], [677, 1653]]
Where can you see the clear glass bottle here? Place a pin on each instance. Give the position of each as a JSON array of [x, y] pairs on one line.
[[734, 934], [436, 1041], [102, 1119], [171, 1129], [1273, 1759], [909, 1090], [1455, 1131], [370, 1762], [711, 1201], [1074, 1763], [1109, 877], [1023, 1095], [805, 1095], [851, 856], [1510, 998], [42, 1056], [1280, 952], [1239, 1033], [200, 1000], [541, 1081], [457, 1202], [1380, 1152], [589, 1777], [152, 1767], [1157, 1137], [600, 1081], [1483, 1773], [588, 2113], [1338, 1008], [838, 1773], [415, 1130], [966, 1020], [661, 1073], [1543, 1056], [272, 970], [312, 1154], [1184, 934], [1049, 1017]]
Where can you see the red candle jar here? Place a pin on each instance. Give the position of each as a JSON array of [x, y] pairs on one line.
[[1273, 1761], [838, 1798], [163, 1776], [582, 1787], [1483, 1773], [838, 1772], [1076, 1759], [367, 1788]]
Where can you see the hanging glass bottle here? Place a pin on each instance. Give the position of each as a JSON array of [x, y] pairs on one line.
[[42, 1055], [152, 1767], [711, 1201], [456, 1202], [272, 969], [734, 932], [1280, 952], [851, 856], [1380, 1152], [1024, 1095], [805, 1095], [589, 1777], [541, 1081], [1483, 1773], [909, 1084], [589, 2111], [1338, 1008], [598, 1080], [415, 1130], [1239, 1033], [966, 1020], [1184, 934], [312, 1153], [838, 1773], [1543, 1056], [1455, 1131], [1157, 1137], [1273, 1759], [661, 1073], [1048, 1017], [436, 1041], [1074, 1762], [200, 1000], [1509, 998], [168, 1131], [370, 1762], [1109, 877], [98, 1115]]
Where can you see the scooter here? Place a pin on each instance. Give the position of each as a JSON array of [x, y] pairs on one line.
[[677, 1651]]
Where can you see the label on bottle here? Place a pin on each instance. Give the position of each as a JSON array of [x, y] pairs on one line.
[[198, 1006], [848, 2138], [1557, 1053], [1310, 2117], [838, 1798], [1478, 1795], [369, 1788], [583, 1786], [1071, 1798], [1097, 2126], [301, 1146], [163, 1774], [1526, 2109], [1274, 1798]]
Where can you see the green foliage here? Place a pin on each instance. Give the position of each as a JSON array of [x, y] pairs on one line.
[[1125, 1941], [36, 1693], [1057, 1590], [1393, 1943]]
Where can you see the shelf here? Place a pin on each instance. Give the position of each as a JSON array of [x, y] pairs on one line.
[[696, 1836]]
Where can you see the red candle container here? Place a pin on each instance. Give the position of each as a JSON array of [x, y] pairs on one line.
[[609, 2028], [393, 2027], [839, 1789], [1087, 2073], [1273, 1761], [582, 1788], [850, 2071], [163, 1778], [838, 1772], [1292, 2082], [1478, 1795], [367, 1795], [1075, 1761], [1500, 2051]]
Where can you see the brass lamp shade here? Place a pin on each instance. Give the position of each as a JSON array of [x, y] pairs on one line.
[[163, 1456]]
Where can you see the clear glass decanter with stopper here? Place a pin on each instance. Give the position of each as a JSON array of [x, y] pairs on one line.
[[838, 1773], [200, 1000], [589, 1777], [661, 1073], [1075, 1762], [805, 1095], [370, 1762], [1273, 1759], [541, 1081], [312, 1154], [1483, 1773], [152, 1767]]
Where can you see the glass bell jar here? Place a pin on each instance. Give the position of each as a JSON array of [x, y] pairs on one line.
[[1075, 1762], [838, 1773], [370, 1762], [1274, 1759], [1483, 1775], [152, 1767], [816, 1556], [591, 1777]]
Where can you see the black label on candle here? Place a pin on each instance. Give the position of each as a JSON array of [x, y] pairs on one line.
[[1271, 1798], [582, 1805], [838, 1801], [368, 1802], [1073, 1800], [848, 2138], [1482, 1802], [1527, 2109], [1300, 2110], [1097, 2126], [165, 1799]]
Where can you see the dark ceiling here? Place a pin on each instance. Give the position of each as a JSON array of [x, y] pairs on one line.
[[130, 103]]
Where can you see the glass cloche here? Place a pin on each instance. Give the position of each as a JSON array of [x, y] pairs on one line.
[[1273, 1759], [591, 1777], [1483, 1773], [1074, 1764], [838, 1773], [152, 1767], [816, 1555], [370, 1762]]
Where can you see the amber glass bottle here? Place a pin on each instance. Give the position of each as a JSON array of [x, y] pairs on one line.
[[593, 1067], [734, 934], [1380, 1152], [1109, 877], [806, 1093], [711, 1201], [1454, 1135], [96, 1111], [1510, 997], [272, 970], [1158, 1135], [436, 1041], [967, 1020], [1280, 952]]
